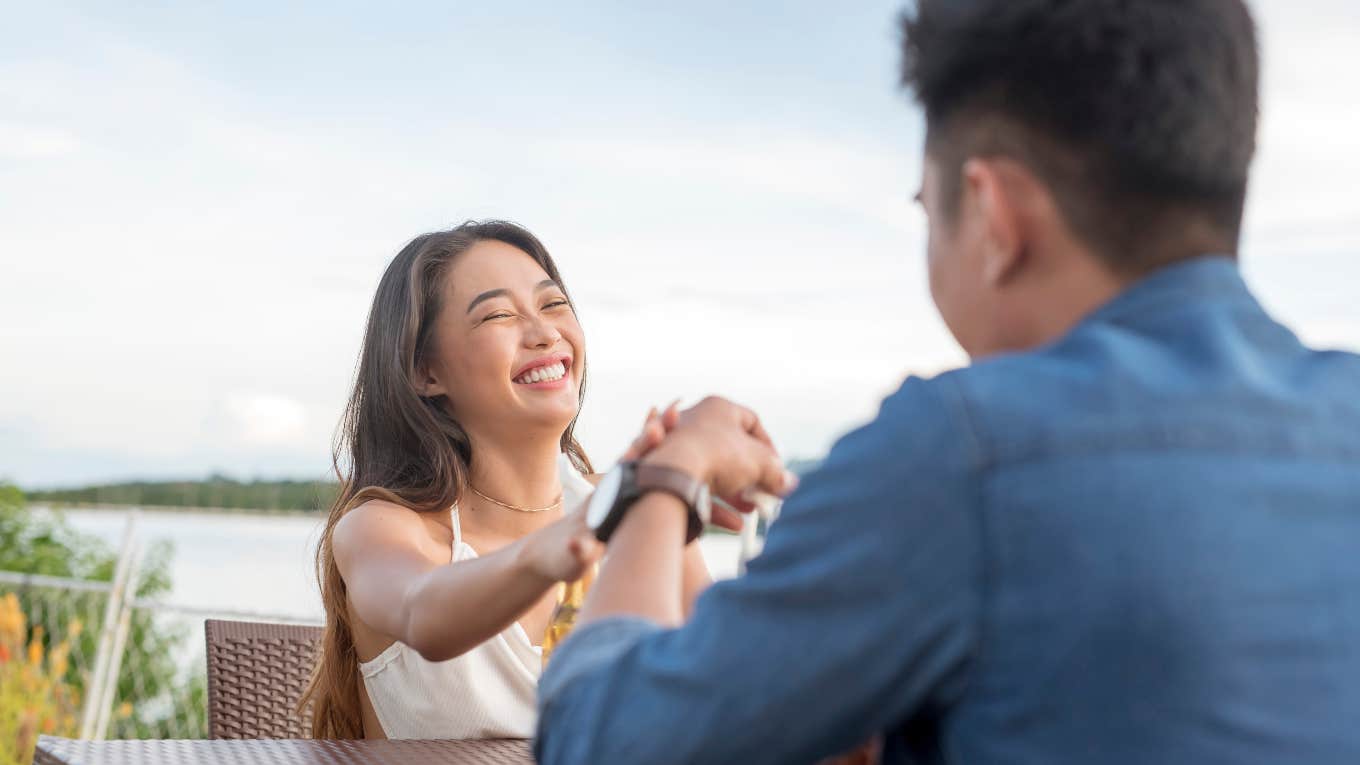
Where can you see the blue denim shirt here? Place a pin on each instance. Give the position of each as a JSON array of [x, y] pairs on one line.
[[1138, 544]]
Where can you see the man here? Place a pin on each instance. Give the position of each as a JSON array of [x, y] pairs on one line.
[[1129, 532]]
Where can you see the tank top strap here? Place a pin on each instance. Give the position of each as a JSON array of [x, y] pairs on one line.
[[457, 527]]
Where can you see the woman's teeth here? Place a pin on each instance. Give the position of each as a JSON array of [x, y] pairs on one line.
[[543, 374]]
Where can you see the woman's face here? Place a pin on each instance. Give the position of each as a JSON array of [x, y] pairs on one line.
[[508, 351]]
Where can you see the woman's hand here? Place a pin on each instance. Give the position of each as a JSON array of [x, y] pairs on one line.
[[654, 430], [564, 550]]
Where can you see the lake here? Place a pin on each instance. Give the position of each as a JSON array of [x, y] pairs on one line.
[[260, 563]]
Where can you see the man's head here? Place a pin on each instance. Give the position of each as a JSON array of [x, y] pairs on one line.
[[1072, 146]]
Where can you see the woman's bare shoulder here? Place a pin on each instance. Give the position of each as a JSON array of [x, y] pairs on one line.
[[594, 478], [380, 522], [377, 511]]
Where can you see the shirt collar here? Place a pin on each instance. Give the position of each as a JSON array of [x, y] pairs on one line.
[[1206, 277]]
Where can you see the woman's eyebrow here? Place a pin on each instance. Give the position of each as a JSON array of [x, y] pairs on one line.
[[502, 292], [487, 296]]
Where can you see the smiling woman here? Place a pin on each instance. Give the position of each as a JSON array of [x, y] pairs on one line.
[[442, 555]]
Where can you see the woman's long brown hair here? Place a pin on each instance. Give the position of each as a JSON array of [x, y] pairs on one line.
[[397, 445]]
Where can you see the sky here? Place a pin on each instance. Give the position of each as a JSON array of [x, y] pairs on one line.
[[197, 201]]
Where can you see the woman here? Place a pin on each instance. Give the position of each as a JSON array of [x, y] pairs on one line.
[[441, 557]]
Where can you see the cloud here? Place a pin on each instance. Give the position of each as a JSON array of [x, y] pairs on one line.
[[853, 179], [189, 266], [267, 419], [1302, 196], [24, 142], [1339, 335]]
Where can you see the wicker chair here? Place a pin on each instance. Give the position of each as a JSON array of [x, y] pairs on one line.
[[256, 673]]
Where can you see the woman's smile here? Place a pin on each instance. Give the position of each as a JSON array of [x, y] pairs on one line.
[[547, 373]]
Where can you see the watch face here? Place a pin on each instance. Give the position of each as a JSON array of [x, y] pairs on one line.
[[602, 501], [703, 504]]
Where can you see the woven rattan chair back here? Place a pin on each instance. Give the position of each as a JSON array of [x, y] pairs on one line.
[[257, 671]]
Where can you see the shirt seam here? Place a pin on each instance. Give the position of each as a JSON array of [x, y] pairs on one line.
[[981, 464], [1209, 437]]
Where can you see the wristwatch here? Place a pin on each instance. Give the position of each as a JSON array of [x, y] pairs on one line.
[[623, 486]]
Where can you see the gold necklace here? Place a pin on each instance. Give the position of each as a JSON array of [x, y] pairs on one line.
[[517, 509]]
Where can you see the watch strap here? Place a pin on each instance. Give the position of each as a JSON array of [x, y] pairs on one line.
[[638, 479], [686, 487]]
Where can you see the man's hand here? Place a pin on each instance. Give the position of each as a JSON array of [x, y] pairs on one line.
[[721, 444], [654, 430], [716, 442]]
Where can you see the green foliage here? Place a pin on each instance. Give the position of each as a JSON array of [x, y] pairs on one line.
[[46, 544], [218, 491]]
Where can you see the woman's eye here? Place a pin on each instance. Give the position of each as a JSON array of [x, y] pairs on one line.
[[556, 304], [497, 316]]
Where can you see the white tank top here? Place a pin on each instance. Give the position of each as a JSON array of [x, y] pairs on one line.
[[487, 692]]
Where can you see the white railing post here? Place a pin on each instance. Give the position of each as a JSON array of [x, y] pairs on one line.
[[112, 613], [109, 691], [767, 509]]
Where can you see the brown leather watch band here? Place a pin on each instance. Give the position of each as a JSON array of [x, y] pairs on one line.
[[677, 482], [649, 477]]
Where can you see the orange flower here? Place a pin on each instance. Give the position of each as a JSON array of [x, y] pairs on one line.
[[35, 648], [58, 660], [12, 622]]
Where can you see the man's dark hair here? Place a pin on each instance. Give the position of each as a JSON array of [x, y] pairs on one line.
[[1139, 115]]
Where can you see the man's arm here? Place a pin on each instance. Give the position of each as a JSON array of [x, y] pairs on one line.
[[642, 573], [862, 608]]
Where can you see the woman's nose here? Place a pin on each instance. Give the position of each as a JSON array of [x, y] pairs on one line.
[[541, 334]]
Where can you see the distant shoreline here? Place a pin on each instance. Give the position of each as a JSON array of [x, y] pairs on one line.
[[113, 507], [124, 507]]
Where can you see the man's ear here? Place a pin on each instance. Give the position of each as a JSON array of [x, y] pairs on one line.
[[1003, 244], [427, 384]]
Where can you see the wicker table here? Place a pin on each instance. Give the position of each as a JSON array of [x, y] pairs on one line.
[[64, 751]]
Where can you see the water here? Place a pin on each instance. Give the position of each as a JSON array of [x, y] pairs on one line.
[[262, 563]]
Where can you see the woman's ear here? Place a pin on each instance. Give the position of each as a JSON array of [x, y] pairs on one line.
[[427, 384]]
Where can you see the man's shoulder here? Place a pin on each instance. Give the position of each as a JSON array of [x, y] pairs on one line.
[[964, 400], [918, 425], [1105, 383], [1012, 399], [1036, 380]]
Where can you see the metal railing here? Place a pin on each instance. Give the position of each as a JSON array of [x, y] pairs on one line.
[[137, 664]]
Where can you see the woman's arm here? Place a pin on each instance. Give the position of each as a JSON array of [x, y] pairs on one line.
[[444, 609]]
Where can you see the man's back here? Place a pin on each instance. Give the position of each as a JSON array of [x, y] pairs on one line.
[[1128, 533], [1169, 506], [1137, 544]]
